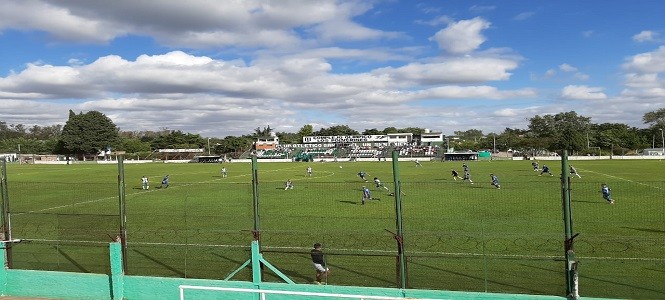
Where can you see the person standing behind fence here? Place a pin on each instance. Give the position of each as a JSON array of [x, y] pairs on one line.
[[145, 183], [319, 262]]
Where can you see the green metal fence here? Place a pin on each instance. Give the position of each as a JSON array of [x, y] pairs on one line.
[[454, 239]]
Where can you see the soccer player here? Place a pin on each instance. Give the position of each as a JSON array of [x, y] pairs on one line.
[[573, 171], [379, 184], [535, 166], [495, 181], [465, 167], [319, 262], [165, 182], [367, 195], [288, 185], [224, 173], [607, 193], [455, 174], [362, 175], [418, 163], [309, 171], [546, 169], [145, 183], [467, 175]]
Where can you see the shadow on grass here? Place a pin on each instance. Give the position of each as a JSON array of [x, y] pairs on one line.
[[480, 278], [349, 202], [583, 201], [294, 274], [71, 260], [600, 279], [172, 269], [228, 258], [645, 229], [359, 273]]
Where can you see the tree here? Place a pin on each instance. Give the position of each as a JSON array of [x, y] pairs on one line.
[[88, 133], [232, 144], [471, 134], [133, 145], [414, 130], [336, 130], [306, 130], [262, 132], [655, 119], [388, 130], [561, 131], [288, 138], [372, 131], [177, 139]]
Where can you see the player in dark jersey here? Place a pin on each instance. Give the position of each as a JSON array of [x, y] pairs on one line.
[[495, 181]]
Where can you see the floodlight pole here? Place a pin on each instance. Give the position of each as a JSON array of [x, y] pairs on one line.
[[399, 236], [122, 211], [6, 221], [572, 291]]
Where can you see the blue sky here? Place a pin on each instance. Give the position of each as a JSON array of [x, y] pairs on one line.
[[221, 68]]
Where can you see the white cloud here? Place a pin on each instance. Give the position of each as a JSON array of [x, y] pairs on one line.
[[182, 91], [567, 68], [524, 16], [436, 21], [462, 37], [456, 70], [650, 80], [649, 62], [481, 8], [550, 73], [195, 23], [582, 92], [645, 36]]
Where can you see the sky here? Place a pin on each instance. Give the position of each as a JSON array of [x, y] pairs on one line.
[[220, 68]]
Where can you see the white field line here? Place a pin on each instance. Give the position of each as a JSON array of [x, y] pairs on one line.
[[621, 178], [385, 252], [132, 194]]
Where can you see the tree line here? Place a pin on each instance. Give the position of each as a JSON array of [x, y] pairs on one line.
[[91, 132]]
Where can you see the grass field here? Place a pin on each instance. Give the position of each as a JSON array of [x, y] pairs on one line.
[[458, 236]]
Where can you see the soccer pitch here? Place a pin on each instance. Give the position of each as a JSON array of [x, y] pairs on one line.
[[458, 236]]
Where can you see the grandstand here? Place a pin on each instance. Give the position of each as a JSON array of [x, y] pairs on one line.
[[352, 147]]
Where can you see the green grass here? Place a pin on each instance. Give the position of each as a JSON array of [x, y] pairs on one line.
[[458, 236]]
